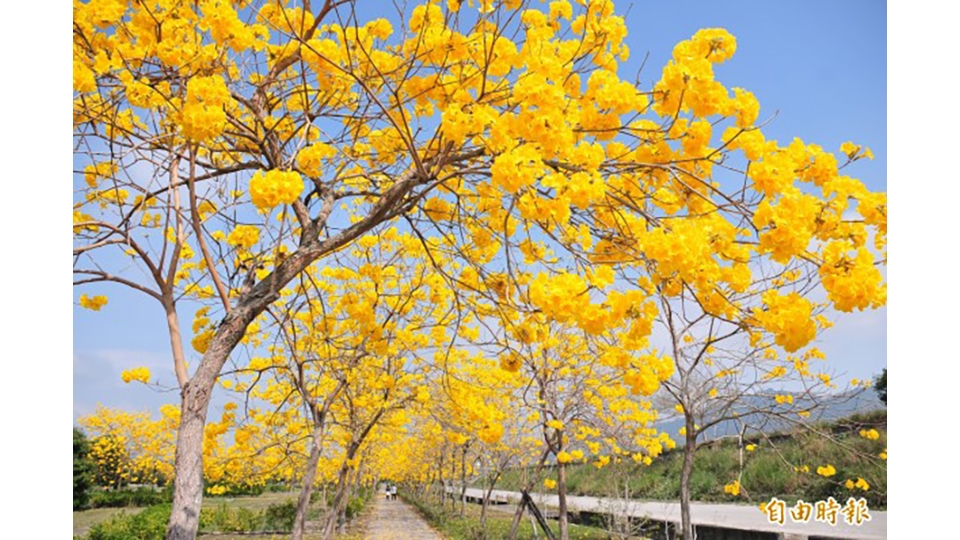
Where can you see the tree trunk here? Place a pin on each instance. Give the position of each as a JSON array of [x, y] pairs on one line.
[[352, 480], [463, 480], [691, 440], [483, 511], [188, 466], [515, 525], [195, 400], [486, 502], [333, 513], [443, 485], [303, 503], [562, 495], [453, 478]]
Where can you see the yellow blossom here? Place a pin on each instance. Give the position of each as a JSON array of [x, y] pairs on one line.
[[275, 187], [732, 488], [94, 303], [141, 374], [826, 471]]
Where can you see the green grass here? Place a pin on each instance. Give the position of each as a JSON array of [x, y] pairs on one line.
[[255, 503], [84, 520], [449, 523], [767, 472]]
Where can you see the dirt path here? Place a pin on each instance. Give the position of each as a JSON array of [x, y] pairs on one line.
[[396, 520]]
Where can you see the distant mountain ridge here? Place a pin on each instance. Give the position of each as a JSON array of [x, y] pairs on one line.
[[830, 407]]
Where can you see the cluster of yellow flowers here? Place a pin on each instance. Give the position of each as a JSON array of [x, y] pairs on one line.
[[688, 81], [826, 471], [732, 488], [92, 174], [491, 432], [855, 151], [511, 362], [788, 318], [871, 434], [204, 116], [851, 282], [244, 236], [93, 303], [141, 374], [218, 489], [226, 28], [274, 187], [645, 379], [859, 484], [310, 159], [788, 226]]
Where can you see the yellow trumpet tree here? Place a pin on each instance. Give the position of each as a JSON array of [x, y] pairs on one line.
[[588, 395], [131, 447]]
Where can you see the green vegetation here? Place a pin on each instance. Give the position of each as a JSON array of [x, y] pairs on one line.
[[449, 523], [880, 384], [768, 471], [150, 524], [102, 498], [356, 503], [270, 512], [82, 470]]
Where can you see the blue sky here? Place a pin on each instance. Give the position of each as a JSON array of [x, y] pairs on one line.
[[821, 66]]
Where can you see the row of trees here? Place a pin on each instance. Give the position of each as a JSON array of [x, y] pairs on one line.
[[433, 224]]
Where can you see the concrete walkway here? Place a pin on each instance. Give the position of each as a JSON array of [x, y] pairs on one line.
[[731, 516], [396, 520]]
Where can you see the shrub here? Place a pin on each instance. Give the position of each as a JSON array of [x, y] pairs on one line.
[[224, 519], [355, 506], [280, 517], [276, 487], [150, 524]]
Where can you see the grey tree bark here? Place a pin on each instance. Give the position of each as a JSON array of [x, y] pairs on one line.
[[195, 400], [463, 479], [562, 495], [303, 502], [339, 500], [688, 531]]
